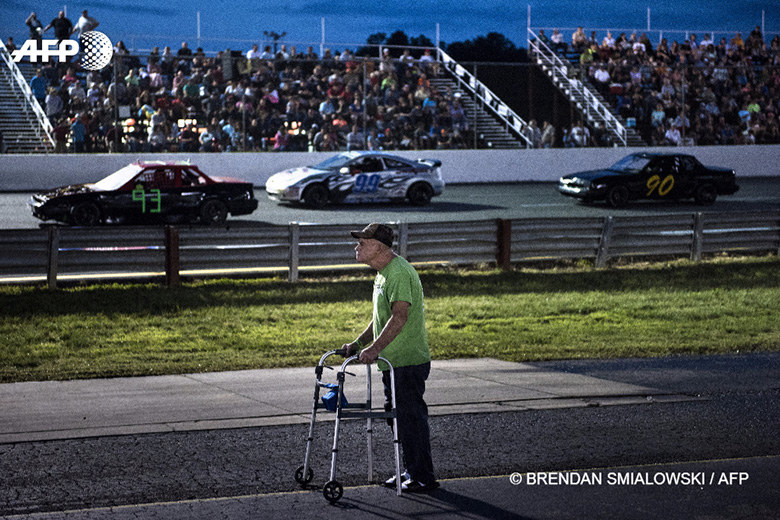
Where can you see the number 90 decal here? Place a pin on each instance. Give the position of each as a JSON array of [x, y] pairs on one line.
[[663, 187], [366, 183]]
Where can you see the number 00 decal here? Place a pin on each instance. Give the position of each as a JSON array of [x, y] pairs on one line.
[[664, 187]]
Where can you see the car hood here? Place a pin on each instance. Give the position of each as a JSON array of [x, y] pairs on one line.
[[294, 175], [592, 175], [62, 191]]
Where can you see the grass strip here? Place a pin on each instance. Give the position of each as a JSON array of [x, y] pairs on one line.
[[720, 306]]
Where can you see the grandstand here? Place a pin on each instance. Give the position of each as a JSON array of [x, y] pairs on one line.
[[679, 94]]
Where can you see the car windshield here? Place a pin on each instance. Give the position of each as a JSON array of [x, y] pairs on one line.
[[117, 179], [335, 162], [630, 164]]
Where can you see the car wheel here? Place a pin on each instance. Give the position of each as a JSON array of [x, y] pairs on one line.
[[315, 196], [213, 212], [705, 194], [617, 196], [420, 194], [85, 214]]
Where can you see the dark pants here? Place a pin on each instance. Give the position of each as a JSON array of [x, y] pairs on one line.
[[413, 431]]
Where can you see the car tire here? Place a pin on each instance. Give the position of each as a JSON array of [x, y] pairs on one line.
[[617, 196], [315, 196], [705, 194], [420, 194], [213, 212], [86, 214]]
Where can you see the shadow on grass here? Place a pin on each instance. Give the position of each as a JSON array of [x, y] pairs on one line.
[[150, 299]]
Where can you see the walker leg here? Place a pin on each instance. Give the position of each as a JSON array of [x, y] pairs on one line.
[[304, 474], [369, 426], [395, 436]]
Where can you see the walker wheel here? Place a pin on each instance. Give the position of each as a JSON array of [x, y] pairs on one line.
[[332, 491], [301, 479]]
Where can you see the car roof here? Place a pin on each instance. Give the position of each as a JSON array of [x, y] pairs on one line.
[[661, 154], [367, 153], [164, 163]]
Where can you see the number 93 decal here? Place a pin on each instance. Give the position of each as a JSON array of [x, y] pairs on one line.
[[663, 186]]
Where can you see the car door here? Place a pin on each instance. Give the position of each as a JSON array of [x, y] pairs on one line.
[[686, 171], [367, 175], [660, 178], [150, 194]]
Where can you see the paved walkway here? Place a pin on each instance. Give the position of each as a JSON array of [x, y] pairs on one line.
[[89, 408]]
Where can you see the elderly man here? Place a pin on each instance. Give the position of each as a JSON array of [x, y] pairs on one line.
[[397, 332]]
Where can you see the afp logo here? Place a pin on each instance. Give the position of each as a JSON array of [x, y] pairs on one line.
[[98, 50]]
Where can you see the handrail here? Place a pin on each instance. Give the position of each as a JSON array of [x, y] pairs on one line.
[[484, 94], [31, 102], [591, 106]]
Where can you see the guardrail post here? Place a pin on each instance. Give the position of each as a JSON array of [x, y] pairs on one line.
[[602, 255], [504, 244], [698, 236], [403, 238], [172, 257], [53, 257], [295, 239]]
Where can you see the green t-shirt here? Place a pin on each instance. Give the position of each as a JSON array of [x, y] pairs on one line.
[[398, 281]]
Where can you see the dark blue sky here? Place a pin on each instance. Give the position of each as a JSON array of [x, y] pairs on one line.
[[237, 23]]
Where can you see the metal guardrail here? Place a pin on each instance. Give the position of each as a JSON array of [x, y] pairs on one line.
[[122, 252]]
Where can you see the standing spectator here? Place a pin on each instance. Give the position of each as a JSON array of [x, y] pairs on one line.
[[36, 28], [533, 134], [54, 105], [38, 85], [84, 24], [78, 134], [60, 132], [10, 45], [548, 135], [63, 27], [115, 138], [397, 333]]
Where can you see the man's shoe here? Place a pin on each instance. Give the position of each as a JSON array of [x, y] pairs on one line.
[[391, 481], [415, 486]]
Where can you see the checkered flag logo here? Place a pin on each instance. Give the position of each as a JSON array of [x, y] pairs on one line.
[[97, 50]]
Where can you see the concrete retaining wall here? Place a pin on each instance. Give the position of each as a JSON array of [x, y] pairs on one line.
[[37, 172]]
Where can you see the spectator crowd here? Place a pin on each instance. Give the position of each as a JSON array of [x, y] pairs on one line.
[[698, 92], [693, 93]]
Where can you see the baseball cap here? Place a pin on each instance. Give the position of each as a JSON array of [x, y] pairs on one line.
[[376, 231]]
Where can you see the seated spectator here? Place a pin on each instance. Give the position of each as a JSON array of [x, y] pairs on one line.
[[579, 40], [355, 139]]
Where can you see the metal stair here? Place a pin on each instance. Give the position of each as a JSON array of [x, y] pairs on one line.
[[24, 126], [497, 125], [632, 137], [582, 94], [491, 133]]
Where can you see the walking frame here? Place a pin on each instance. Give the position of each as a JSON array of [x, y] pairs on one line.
[[333, 489]]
